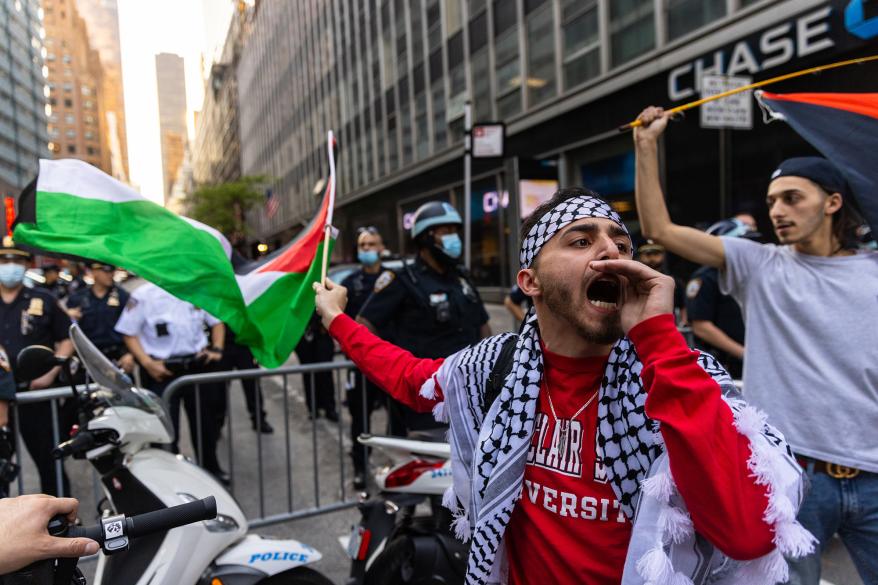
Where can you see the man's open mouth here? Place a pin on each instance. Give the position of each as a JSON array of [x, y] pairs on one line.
[[604, 292]]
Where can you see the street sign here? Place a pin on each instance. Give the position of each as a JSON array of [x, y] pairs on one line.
[[735, 111], [488, 140]]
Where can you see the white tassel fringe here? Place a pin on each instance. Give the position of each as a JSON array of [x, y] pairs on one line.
[[439, 412], [660, 486], [461, 527], [792, 539], [655, 567], [676, 524], [767, 570]]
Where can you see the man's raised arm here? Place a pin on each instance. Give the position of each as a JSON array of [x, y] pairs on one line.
[[393, 369], [655, 222]]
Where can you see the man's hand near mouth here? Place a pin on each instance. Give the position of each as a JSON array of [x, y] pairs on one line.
[[646, 293]]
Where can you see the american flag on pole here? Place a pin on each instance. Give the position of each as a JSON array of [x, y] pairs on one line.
[[271, 203]]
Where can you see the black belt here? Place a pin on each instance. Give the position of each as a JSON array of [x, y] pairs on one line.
[[180, 364], [833, 470]]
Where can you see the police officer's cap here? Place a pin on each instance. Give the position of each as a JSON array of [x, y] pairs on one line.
[[102, 266], [432, 214], [9, 251], [816, 169], [50, 268], [650, 246], [733, 228]]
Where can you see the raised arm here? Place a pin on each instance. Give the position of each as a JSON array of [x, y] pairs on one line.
[[688, 242], [395, 370]]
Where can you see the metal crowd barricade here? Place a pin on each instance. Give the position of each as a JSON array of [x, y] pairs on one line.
[[318, 504], [54, 396], [329, 476]]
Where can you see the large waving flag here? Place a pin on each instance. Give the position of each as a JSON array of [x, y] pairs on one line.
[[844, 128], [75, 209]]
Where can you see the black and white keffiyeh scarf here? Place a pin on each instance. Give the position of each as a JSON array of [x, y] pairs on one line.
[[489, 445]]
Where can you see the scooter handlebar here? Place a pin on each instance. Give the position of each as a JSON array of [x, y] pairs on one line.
[[156, 521]]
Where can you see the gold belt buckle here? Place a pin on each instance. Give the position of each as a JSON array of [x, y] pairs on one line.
[[841, 471]]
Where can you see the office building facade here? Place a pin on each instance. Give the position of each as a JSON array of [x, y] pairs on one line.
[[171, 88], [391, 78], [23, 135]]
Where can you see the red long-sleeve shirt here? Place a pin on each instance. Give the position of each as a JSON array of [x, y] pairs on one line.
[[708, 457]]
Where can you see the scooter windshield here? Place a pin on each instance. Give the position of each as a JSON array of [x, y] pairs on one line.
[[115, 388]]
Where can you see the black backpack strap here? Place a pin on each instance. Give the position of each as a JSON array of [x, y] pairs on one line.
[[498, 374]]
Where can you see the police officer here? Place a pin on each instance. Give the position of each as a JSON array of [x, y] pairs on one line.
[[362, 398], [166, 336], [317, 347], [32, 317], [716, 318], [239, 357], [97, 308], [52, 281], [433, 307], [8, 469], [655, 256]]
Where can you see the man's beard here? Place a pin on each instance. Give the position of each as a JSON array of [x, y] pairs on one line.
[[559, 300]]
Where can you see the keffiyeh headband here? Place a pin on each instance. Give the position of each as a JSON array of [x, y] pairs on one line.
[[562, 215]]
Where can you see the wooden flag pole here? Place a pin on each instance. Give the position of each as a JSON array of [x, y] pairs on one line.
[[695, 104], [327, 229]]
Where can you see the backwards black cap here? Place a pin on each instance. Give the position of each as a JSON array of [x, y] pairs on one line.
[[816, 169]]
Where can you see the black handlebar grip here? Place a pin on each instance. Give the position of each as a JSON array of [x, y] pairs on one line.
[[95, 533], [83, 440], [167, 518], [157, 521]]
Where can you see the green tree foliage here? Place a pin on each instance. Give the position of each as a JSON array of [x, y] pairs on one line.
[[224, 206]]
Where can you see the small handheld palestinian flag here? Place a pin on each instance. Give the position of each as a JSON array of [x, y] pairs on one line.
[[75, 209], [844, 128]]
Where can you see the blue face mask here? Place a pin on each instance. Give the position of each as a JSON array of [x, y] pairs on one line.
[[452, 246], [11, 274], [369, 257]]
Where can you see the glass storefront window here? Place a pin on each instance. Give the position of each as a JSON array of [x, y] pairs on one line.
[[632, 29], [481, 87], [422, 148], [486, 207], [508, 74], [684, 16], [540, 56], [392, 145], [439, 123]]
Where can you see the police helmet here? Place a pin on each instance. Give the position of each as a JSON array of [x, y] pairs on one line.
[[733, 228], [432, 214]]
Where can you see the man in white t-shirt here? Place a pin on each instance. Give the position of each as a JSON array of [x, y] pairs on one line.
[[811, 351], [166, 336]]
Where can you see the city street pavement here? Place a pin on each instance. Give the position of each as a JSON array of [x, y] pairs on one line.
[[321, 532]]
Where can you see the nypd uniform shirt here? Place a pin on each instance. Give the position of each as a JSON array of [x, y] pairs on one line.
[[33, 318], [7, 382], [433, 314], [165, 325], [99, 315], [705, 302], [360, 285]]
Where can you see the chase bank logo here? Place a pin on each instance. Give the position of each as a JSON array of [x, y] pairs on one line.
[[861, 18]]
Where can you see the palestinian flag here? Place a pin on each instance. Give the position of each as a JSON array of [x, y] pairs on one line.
[[75, 209], [844, 128]]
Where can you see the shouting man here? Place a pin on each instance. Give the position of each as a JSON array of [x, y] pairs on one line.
[[594, 446]]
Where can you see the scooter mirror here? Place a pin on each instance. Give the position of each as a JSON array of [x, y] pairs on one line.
[[34, 361]]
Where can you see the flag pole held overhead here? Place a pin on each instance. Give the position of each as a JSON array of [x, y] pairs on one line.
[[327, 229], [696, 103]]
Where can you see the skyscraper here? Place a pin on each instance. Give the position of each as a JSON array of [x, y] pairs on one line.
[[171, 86], [23, 137], [76, 123], [102, 21]]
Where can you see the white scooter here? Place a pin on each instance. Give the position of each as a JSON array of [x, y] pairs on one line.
[[404, 533], [118, 424]]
